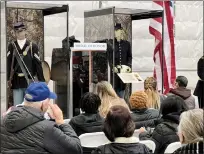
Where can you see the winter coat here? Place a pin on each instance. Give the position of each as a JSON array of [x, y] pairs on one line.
[[123, 145], [192, 148], [164, 133], [87, 123], [186, 95], [144, 117], [25, 131]]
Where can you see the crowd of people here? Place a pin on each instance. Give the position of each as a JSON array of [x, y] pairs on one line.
[[164, 119]]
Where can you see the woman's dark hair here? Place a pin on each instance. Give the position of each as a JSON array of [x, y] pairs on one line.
[[90, 103], [118, 123], [173, 104]]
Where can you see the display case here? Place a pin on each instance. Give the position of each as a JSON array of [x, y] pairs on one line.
[[101, 26], [36, 16]]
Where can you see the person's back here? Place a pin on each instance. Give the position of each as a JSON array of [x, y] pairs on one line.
[[165, 131], [119, 128], [24, 130], [186, 95], [192, 138], [145, 117], [183, 92], [87, 123], [122, 148], [90, 121], [141, 114]]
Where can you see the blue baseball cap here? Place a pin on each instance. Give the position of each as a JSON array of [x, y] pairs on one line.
[[38, 91]]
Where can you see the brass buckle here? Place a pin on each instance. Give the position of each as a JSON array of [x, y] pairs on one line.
[[20, 74]]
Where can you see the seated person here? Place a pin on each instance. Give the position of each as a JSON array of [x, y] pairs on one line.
[[141, 114], [181, 90], [191, 132], [154, 97], [165, 131], [24, 130], [108, 97], [119, 129], [90, 120]]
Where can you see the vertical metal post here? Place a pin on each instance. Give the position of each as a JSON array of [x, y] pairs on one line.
[[162, 62], [4, 105], [70, 87], [43, 53], [113, 65], [69, 74]]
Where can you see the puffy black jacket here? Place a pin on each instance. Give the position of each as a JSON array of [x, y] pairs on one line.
[[144, 117], [122, 148], [87, 123], [164, 133], [25, 131], [192, 148]]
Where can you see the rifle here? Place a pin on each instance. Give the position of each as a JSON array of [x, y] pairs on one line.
[[11, 71], [9, 91]]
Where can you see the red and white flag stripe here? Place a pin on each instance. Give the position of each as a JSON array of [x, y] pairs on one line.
[[155, 28]]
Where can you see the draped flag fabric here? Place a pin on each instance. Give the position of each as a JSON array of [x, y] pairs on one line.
[[155, 28]]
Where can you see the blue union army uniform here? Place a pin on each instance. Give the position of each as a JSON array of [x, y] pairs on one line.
[[31, 60], [29, 53]]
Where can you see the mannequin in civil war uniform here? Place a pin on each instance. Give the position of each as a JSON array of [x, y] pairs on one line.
[[29, 54], [123, 57]]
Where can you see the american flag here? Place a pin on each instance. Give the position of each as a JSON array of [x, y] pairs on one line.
[[155, 28]]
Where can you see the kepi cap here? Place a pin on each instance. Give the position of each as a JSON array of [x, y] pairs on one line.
[[19, 26], [118, 26], [38, 91]]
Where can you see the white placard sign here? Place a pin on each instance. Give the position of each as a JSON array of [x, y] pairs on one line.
[[90, 46]]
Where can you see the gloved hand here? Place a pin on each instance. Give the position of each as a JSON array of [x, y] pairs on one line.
[[115, 70], [125, 69]]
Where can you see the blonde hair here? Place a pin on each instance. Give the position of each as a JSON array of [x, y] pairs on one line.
[[150, 86], [191, 126], [108, 97]]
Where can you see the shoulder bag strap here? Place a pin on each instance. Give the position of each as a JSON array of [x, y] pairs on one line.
[[22, 65]]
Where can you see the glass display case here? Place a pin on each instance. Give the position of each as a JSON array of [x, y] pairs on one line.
[[36, 16], [113, 26]]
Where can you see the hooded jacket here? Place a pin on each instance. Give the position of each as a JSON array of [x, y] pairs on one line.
[[24, 131], [185, 94], [164, 133]]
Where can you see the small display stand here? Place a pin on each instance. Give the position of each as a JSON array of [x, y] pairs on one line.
[[130, 77], [87, 50]]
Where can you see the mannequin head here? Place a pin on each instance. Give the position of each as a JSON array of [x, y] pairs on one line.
[[119, 32], [20, 34], [20, 30]]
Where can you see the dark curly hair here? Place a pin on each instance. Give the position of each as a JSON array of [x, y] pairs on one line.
[[90, 103]]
